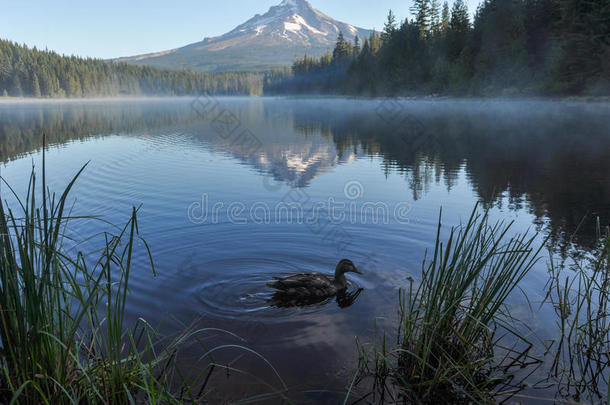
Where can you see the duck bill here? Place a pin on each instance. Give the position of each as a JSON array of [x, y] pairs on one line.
[[357, 271]]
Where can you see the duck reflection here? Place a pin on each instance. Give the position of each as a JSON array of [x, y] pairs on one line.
[[344, 299]]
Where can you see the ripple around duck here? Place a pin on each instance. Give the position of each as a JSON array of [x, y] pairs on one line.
[[242, 291]]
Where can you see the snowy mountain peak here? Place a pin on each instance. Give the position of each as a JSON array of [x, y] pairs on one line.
[[290, 29], [292, 21], [296, 5], [290, 3]]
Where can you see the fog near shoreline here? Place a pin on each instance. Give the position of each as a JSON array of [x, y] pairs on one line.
[[439, 99]]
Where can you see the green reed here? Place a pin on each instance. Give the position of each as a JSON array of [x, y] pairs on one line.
[[63, 334], [447, 335], [580, 294]]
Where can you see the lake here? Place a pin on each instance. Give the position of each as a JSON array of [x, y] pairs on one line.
[[234, 191]]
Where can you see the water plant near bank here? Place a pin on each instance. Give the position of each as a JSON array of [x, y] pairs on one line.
[[449, 346], [63, 333], [579, 291]]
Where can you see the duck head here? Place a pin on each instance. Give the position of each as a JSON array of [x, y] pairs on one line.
[[346, 266]]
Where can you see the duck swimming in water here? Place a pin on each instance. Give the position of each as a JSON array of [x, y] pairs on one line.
[[313, 287]]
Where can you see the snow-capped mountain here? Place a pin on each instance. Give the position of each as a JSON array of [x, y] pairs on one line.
[[290, 29], [293, 21]]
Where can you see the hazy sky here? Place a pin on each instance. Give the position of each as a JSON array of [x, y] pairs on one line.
[[112, 28]]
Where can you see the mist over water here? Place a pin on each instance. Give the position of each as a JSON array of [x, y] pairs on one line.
[[206, 185]]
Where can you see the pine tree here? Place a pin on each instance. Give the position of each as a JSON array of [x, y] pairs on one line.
[[501, 43], [445, 17], [435, 16], [459, 27], [5, 67], [343, 49], [326, 59], [45, 84], [585, 37], [35, 86], [366, 48], [421, 9], [374, 42], [459, 16], [17, 90], [389, 28], [356, 46], [542, 32]]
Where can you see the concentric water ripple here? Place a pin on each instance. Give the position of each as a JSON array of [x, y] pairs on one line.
[[237, 288]]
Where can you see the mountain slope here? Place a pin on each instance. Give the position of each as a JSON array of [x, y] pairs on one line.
[[266, 41]]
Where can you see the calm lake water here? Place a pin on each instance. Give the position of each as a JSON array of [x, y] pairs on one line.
[[235, 191]]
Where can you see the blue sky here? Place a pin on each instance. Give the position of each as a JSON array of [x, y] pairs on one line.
[[112, 28]]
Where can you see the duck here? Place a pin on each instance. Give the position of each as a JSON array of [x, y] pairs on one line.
[[313, 286]]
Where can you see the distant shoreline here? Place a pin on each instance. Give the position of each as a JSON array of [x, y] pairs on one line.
[[32, 100], [35, 100]]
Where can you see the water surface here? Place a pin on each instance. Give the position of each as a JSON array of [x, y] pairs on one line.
[[234, 191]]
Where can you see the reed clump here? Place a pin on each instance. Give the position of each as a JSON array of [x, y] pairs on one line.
[[63, 334], [579, 290], [447, 342]]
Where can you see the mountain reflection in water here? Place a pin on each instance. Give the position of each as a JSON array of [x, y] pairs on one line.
[[551, 158]]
